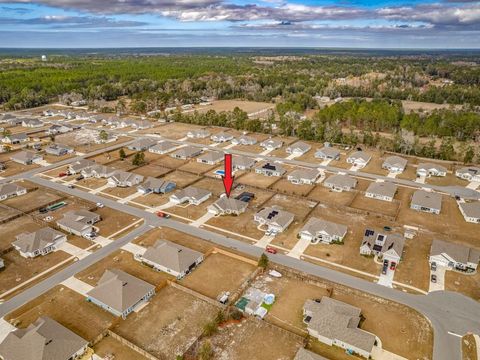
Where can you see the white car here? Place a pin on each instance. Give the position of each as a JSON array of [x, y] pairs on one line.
[[100, 205]]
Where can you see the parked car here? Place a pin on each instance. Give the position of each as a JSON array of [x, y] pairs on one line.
[[384, 269], [100, 205], [385, 262], [43, 210], [90, 236], [434, 278], [163, 215], [81, 177], [433, 267], [271, 250], [62, 174], [393, 264], [387, 228], [71, 186]]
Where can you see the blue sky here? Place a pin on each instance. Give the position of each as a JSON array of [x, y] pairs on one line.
[[268, 23]]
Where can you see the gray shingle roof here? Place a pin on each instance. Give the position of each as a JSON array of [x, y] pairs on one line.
[[459, 253], [427, 199], [172, 256], [471, 209], [315, 225], [37, 240], [341, 181], [303, 354], [10, 189], [395, 161], [382, 188]]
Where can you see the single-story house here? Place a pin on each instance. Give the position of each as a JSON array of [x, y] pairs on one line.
[[318, 230], [470, 211], [340, 183], [163, 147], [453, 256], [384, 190], [141, 124], [429, 169], [327, 153], [228, 206], [299, 148], [142, 144], [270, 169], [58, 150], [26, 157], [244, 140], [78, 222], [172, 258], [395, 164], [14, 121], [191, 194], [99, 171], [221, 137], [359, 159], [275, 219], [16, 138], [426, 201], [31, 123], [186, 152], [5, 117], [470, 173], [211, 157], [303, 176], [39, 242], [156, 186], [240, 162], [271, 144], [10, 190], [198, 134], [334, 322], [387, 246], [120, 293], [77, 166], [124, 179], [44, 339], [58, 129]]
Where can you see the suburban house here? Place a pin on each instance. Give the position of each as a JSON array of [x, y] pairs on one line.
[[186, 152], [98, 171], [58, 150], [228, 206], [5, 117], [191, 195], [163, 147], [470, 211], [172, 258], [359, 159], [387, 246], [142, 144], [303, 176], [78, 222], [141, 124], [40, 242], [471, 173], [14, 139], [44, 339], [384, 190], [395, 164], [244, 140], [426, 201], [340, 183], [298, 149], [156, 186], [198, 134], [211, 157], [26, 157], [304, 354], [275, 219], [120, 293], [221, 137], [271, 144], [334, 322], [31, 123], [454, 256], [124, 179], [11, 190], [58, 129], [269, 169], [321, 231], [14, 121], [77, 166], [429, 169], [327, 153], [240, 162]]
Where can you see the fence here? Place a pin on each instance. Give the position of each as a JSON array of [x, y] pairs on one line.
[[196, 294], [131, 345]]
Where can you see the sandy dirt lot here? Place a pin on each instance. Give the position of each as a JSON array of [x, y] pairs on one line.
[[151, 170], [366, 204], [152, 200], [68, 308], [257, 180], [242, 224], [168, 162], [110, 346], [14, 168], [326, 196], [197, 168], [299, 207], [52, 159], [218, 273], [111, 156], [176, 130], [469, 348], [7, 213], [91, 183], [113, 221], [32, 200], [122, 260], [468, 285], [181, 178], [375, 165], [169, 324], [121, 192], [286, 187], [14, 227]]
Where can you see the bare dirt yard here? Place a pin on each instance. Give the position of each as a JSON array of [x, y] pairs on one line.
[[218, 273], [242, 224], [168, 162], [108, 346], [326, 196], [361, 202], [152, 170], [113, 221], [14, 227], [68, 308], [14, 168], [286, 187], [468, 285], [32, 200], [181, 178], [469, 348], [257, 180], [299, 207], [197, 168], [169, 324], [176, 130]]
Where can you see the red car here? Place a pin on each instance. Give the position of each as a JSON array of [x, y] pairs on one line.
[[392, 265], [62, 174], [271, 250], [162, 215]]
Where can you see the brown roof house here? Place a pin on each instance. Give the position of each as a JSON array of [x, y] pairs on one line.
[[171, 258], [120, 293], [45, 339]]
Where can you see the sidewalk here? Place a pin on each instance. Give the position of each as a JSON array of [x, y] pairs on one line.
[[77, 285], [299, 248], [264, 241]]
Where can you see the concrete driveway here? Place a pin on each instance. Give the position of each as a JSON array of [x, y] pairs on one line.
[[440, 284], [386, 279]]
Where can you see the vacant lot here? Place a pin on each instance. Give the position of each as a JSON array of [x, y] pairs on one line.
[[299, 207], [108, 346], [7, 213], [152, 170], [113, 221], [286, 187], [197, 168], [242, 224], [68, 308], [92, 183], [218, 273], [32, 200], [361, 202], [468, 285], [169, 324], [176, 130], [181, 178], [257, 180], [122, 260], [326, 196], [11, 229], [14, 168], [215, 186], [192, 212], [120, 192], [168, 162]]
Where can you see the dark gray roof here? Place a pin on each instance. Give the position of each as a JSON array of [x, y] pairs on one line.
[[172, 256], [37, 240], [385, 188], [459, 253], [427, 199]]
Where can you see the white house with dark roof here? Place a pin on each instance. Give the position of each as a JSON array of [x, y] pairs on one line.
[[470, 173], [18, 138], [31, 123], [470, 211], [359, 158], [77, 166], [11, 190], [221, 137], [271, 144], [191, 195], [303, 176], [429, 169], [275, 219], [395, 164], [298, 149], [454, 256], [39, 242], [58, 150], [389, 246], [321, 231], [426, 201], [385, 191], [327, 153], [340, 182], [98, 171], [270, 169], [227, 206]]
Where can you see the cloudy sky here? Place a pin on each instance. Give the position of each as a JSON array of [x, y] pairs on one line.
[[267, 23]]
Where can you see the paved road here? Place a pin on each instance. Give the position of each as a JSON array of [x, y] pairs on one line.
[[447, 311]]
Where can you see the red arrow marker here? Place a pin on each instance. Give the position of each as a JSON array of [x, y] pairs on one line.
[[228, 177]]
